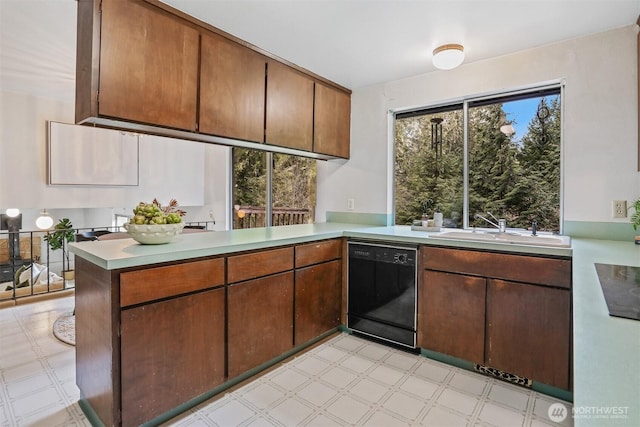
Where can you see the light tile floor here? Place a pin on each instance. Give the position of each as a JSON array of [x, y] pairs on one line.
[[346, 381]]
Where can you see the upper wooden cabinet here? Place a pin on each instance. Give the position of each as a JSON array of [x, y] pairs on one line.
[[232, 89], [137, 63], [289, 107], [147, 67], [332, 121]]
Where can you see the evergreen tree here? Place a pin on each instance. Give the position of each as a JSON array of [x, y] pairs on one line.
[[540, 159], [249, 177], [423, 175], [493, 167], [516, 181]]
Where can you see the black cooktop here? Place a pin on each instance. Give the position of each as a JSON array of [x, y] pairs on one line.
[[621, 288]]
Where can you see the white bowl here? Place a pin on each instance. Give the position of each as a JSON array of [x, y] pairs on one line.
[[153, 234]]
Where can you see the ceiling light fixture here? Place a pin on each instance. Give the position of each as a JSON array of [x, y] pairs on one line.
[[448, 56]]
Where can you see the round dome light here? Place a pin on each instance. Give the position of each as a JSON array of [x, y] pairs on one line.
[[44, 221], [12, 212], [448, 56]]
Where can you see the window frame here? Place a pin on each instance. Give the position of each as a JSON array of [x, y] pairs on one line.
[[537, 90], [269, 175]]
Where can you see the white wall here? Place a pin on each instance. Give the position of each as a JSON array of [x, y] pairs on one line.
[[600, 123], [193, 173]]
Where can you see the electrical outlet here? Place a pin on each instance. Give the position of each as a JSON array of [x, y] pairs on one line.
[[351, 204], [619, 208]]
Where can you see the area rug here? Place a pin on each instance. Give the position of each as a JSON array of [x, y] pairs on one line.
[[64, 328]]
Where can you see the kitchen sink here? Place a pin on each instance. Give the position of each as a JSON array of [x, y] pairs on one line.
[[515, 238]]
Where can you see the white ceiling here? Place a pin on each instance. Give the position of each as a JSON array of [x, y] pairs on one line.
[[352, 42]]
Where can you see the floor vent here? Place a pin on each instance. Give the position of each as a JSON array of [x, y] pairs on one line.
[[506, 376]]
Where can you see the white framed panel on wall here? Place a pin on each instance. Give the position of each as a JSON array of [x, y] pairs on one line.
[[84, 155]]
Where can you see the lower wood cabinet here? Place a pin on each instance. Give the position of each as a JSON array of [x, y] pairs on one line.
[[451, 314], [171, 351], [260, 325], [529, 331], [318, 300], [507, 311], [152, 338]]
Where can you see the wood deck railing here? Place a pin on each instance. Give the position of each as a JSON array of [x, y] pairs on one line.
[[254, 216]]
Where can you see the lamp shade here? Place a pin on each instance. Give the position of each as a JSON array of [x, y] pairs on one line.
[[44, 221], [448, 56], [12, 212]]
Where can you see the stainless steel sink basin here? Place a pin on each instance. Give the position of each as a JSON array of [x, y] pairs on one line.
[[508, 237]]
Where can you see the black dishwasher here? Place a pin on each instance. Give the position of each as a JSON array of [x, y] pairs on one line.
[[382, 291]]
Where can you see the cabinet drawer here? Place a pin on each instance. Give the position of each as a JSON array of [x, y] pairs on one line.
[[257, 264], [154, 283], [317, 252], [519, 268]]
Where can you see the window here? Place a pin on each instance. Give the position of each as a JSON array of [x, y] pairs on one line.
[[271, 189], [508, 163]]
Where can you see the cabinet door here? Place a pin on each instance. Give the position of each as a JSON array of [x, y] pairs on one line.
[[318, 300], [260, 321], [451, 314], [172, 351], [148, 65], [289, 108], [529, 331], [332, 121], [232, 90]]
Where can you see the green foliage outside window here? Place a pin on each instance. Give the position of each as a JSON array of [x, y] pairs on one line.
[[293, 184], [515, 180]]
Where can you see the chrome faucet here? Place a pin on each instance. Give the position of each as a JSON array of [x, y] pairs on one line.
[[500, 224]]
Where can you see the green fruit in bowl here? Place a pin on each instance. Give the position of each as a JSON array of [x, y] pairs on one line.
[[155, 214], [173, 218]]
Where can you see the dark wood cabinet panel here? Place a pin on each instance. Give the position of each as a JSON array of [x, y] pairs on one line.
[[172, 351], [142, 62], [523, 324], [161, 282], [97, 341], [289, 107], [232, 90], [148, 65], [520, 268], [451, 314], [260, 263], [260, 325], [317, 252], [332, 121], [318, 300], [529, 331]]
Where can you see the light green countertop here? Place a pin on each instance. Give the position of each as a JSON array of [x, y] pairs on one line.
[[606, 359], [606, 349], [123, 253]]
